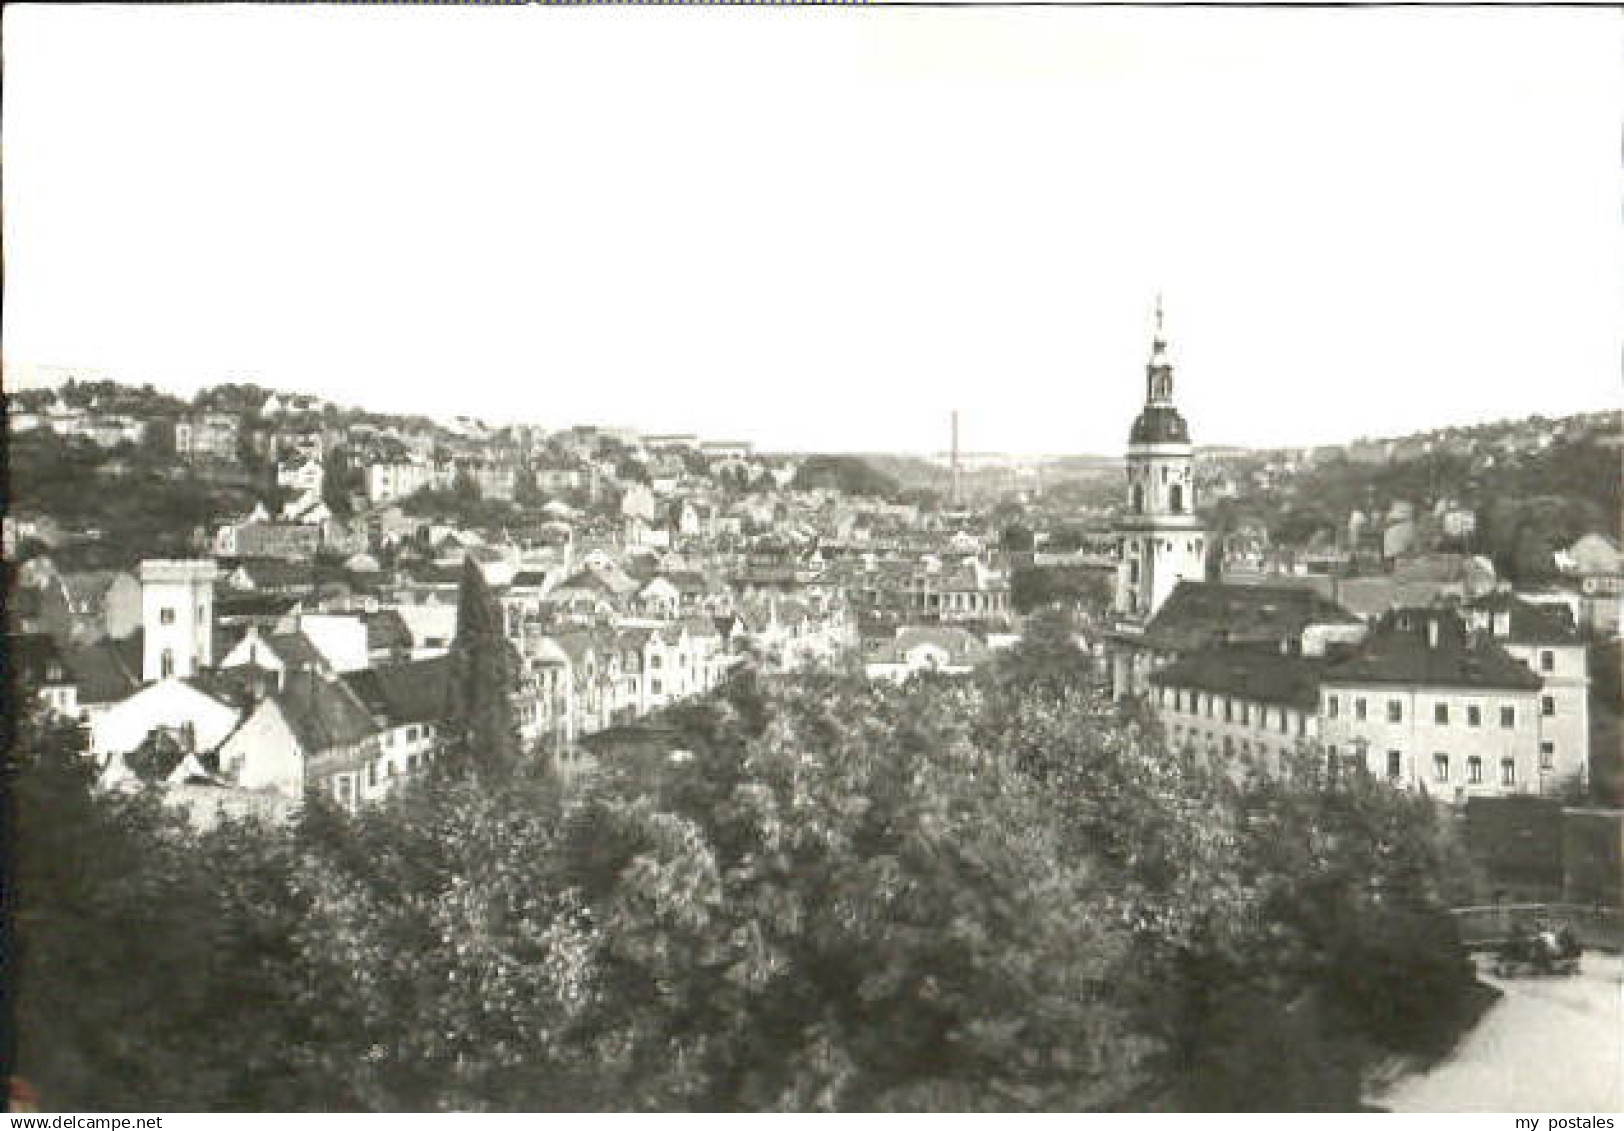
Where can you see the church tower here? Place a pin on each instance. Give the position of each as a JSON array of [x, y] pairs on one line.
[[1160, 539]]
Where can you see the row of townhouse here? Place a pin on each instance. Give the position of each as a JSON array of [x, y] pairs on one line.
[[611, 675], [105, 430], [792, 633], [390, 481], [928, 590], [1487, 699]]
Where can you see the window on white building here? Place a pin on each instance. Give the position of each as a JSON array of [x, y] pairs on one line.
[[166, 663], [1547, 755], [1474, 770], [1547, 661], [166, 616], [1508, 771], [1332, 707], [1547, 705], [1508, 717], [1359, 709], [1395, 763], [1395, 710], [1440, 767], [1474, 715], [1440, 714]]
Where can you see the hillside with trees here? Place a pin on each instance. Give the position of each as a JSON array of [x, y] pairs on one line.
[[1527, 504], [135, 499]]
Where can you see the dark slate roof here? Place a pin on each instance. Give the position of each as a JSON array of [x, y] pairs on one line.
[[1247, 673], [1400, 650], [386, 629], [1530, 623], [295, 650], [88, 589], [429, 573], [323, 712], [103, 673], [240, 687], [224, 637], [1202, 614], [404, 693], [1159, 424], [277, 572], [230, 604]]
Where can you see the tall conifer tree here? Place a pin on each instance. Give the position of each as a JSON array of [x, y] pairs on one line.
[[482, 731]]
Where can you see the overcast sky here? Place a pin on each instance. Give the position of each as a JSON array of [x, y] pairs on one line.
[[827, 228]]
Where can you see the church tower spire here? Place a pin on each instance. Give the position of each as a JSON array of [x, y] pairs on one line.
[[1159, 370], [1161, 538]]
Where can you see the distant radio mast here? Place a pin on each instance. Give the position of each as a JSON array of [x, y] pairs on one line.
[[958, 486]]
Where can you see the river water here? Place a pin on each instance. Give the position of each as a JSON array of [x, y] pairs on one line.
[[1551, 1045]]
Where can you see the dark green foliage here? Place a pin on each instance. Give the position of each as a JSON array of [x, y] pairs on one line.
[[341, 480], [1078, 587], [993, 895], [467, 510], [850, 475], [1528, 505], [482, 732], [153, 510]]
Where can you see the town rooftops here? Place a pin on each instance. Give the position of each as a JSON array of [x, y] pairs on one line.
[[962, 646], [105, 672], [387, 629], [253, 605], [403, 694], [1247, 673], [295, 650], [323, 712], [1201, 614], [1510, 618], [1431, 648], [87, 589]]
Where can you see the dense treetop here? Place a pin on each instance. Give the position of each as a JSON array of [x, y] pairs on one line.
[[953, 895]]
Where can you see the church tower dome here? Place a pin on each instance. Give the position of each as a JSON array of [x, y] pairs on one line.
[[1160, 421], [1161, 538]]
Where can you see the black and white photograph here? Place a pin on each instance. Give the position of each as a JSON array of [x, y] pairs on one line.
[[842, 558]]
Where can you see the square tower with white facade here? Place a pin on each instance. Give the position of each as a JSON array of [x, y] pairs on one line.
[[177, 618]]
